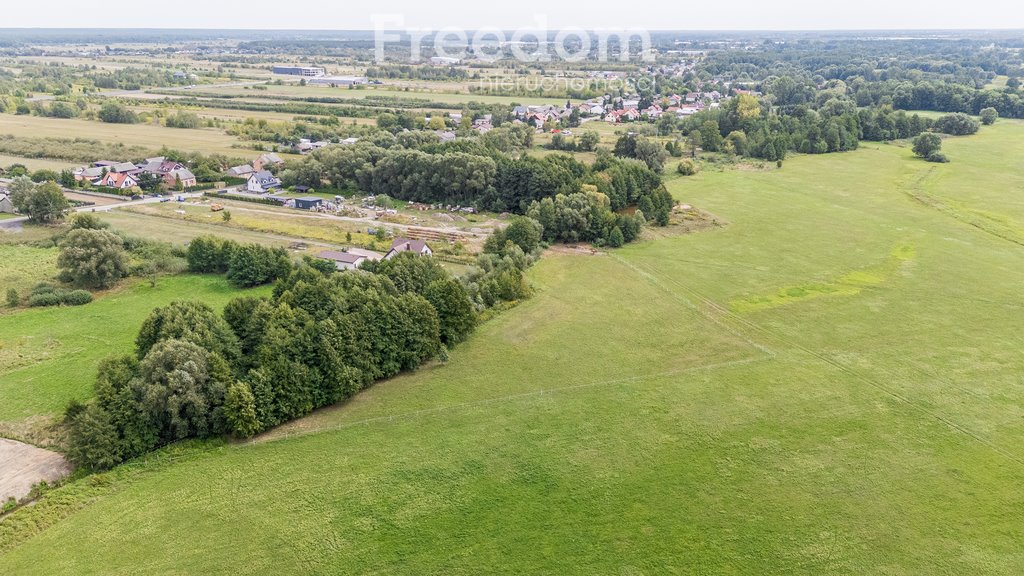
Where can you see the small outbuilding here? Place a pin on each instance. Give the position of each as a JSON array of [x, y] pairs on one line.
[[308, 202]]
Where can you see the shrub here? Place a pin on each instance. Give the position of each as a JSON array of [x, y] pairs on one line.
[[92, 258], [77, 298], [937, 157], [989, 116], [926, 144], [46, 295], [687, 167], [46, 299], [957, 124], [13, 299]]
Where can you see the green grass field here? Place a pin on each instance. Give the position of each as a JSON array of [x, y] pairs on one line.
[[206, 140], [830, 384], [445, 95], [25, 266], [48, 356], [35, 163]]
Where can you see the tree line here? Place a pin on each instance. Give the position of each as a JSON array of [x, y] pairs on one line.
[[321, 337]]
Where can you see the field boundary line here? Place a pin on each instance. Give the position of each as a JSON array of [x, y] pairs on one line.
[[706, 301], [511, 397], [858, 375]]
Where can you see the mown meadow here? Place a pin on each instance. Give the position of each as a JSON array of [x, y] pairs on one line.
[[829, 383]]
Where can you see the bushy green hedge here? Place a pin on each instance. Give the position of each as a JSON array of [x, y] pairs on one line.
[[49, 295]]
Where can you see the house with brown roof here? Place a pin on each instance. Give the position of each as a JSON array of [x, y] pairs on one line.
[[268, 159], [119, 180]]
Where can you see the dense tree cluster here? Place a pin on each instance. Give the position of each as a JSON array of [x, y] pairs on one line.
[[42, 203], [587, 217], [116, 113], [957, 124], [480, 173], [245, 265], [319, 339]]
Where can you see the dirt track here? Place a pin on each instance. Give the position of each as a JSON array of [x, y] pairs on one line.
[[22, 465]]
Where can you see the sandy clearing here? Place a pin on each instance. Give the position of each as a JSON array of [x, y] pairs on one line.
[[22, 465]]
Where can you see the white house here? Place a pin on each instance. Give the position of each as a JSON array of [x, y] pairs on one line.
[[406, 245], [261, 182], [343, 260], [119, 180]]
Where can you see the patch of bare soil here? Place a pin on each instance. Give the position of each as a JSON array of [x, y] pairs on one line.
[[22, 466], [685, 219]]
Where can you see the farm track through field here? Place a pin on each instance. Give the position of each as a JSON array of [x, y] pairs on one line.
[[914, 189]]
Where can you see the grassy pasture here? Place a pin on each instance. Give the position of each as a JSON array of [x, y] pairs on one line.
[[22, 267], [206, 140], [35, 163], [443, 94], [632, 419], [48, 356]]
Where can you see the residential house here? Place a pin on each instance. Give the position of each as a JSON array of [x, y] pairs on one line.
[[123, 167], [160, 166], [653, 111], [89, 174], [625, 115], [520, 111], [183, 175], [6, 206], [243, 171], [349, 141], [482, 125], [406, 245], [630, 104], [119, 180], [343, 260], [262, 182], [269, 159]]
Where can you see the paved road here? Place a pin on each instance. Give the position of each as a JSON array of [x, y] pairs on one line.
[[17, 222]]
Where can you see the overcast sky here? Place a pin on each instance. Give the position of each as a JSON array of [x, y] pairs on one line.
[[476, 14]]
